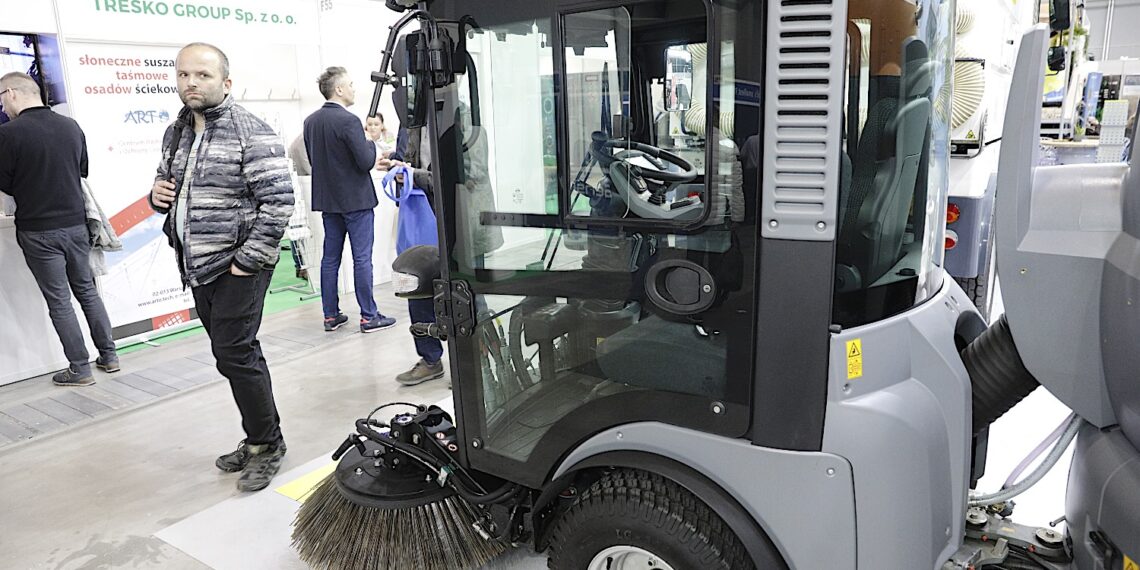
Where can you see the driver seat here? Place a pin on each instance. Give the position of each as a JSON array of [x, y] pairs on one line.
[[889, 157]]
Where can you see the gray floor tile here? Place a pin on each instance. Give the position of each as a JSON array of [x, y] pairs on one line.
[[307, 335], [82, 402], [182, 367], [34, 418], [204, 357], [205, 376], [61, 412], [119, 389], [284, 342], [100, 394], [14, 431], [166, 379], [145, 384]]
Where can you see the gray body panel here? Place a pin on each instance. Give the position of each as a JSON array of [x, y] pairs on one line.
[[904, 426], [898, 440], [782, 490], [1055, 226], [1051, 265], [1120, 309], [1069, 264], [1103, 495], [807, 43], [967, 259]]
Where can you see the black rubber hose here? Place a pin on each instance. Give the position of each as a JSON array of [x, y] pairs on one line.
[[502, 494], [997, 374]]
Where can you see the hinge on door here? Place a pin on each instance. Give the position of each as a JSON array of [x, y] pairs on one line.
[[454, 307]]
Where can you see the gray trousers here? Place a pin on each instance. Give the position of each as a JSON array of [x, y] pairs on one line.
[[60, 262]]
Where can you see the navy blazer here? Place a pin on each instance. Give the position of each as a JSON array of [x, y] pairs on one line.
[[342, 159]]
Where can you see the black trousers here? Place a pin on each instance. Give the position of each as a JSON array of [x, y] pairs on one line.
[[230, 308]]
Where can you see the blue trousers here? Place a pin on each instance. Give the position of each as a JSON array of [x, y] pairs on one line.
[[423, 311], [358, 226]]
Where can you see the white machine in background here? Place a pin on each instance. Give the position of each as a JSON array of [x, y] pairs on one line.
[[1066, 55], [1098, 108], [986, 34]]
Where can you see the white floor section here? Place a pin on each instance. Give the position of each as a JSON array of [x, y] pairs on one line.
[[252, 532]]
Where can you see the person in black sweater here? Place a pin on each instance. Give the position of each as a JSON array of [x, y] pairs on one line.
[[44, 156]]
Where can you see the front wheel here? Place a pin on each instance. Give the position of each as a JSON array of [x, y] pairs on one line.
[[634, 519]]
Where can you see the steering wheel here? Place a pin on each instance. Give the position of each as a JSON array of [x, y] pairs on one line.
[[603, 151]]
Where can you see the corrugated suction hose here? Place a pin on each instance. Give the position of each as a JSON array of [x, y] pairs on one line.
[[997, 374]]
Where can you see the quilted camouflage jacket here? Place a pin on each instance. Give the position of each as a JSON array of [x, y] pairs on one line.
[[242, 194]]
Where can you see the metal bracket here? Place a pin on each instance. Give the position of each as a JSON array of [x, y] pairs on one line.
[[454, 307]]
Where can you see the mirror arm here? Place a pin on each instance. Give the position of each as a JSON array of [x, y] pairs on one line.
[[382, 77]]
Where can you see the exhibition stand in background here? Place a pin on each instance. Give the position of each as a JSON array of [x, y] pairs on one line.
[[116, 59]]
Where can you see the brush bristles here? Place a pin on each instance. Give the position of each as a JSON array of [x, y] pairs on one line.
[[330, 532]]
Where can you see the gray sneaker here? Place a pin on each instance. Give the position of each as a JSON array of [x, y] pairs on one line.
[[237, 459], [263, 464], [108, 363], [70, 377], [421, 372]]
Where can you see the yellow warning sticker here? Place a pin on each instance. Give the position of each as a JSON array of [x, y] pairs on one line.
[[971, 135], [1130, 564], [299, 488], [854, 359]]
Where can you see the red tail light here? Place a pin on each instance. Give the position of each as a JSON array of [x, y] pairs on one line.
[[953, 212], [951, 239]]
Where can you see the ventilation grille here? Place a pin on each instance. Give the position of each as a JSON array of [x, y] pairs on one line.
[[804, 94]]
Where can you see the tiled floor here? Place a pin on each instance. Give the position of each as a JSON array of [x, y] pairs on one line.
[[89, 475], [29, 413]]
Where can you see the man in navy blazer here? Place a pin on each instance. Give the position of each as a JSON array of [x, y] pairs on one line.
[[342, 159]]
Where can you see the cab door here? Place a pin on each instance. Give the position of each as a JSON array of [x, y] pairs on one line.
[[598, 222]]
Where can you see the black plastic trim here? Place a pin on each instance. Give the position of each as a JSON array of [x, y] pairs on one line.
[[792, 343]]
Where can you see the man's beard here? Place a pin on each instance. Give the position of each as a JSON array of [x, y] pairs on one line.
[[202, 103]]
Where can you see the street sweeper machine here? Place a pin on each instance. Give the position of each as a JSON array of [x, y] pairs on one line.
[[690, 277]]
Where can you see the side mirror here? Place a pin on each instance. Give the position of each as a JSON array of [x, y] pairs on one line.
[[678, 78], [1060, 15], [409, 96], [1056, 58]]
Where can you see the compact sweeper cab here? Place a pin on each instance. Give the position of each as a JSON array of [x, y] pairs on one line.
[[690, 278]]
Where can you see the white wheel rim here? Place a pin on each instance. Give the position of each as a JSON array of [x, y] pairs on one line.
[[626, 557]]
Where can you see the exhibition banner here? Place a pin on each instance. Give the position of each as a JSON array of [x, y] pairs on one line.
[[176, 21], [125, 97]]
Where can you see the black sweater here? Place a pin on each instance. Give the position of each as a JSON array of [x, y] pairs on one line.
[[42, 157]]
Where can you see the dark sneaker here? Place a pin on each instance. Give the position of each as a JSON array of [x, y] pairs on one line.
[[378, 323], [237, 459], [108, 363], [420, 373], [70, 377], [333, 323], [264, 462]]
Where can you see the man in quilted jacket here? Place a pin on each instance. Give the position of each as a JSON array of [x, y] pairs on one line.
[[224, 185]]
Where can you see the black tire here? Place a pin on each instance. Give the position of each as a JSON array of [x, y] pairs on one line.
[[628, 507], [980, 288]]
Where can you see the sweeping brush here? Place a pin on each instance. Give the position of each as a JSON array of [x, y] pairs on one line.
[[383, 507]]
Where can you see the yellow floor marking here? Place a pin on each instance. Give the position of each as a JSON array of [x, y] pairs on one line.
[[299, 489]]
